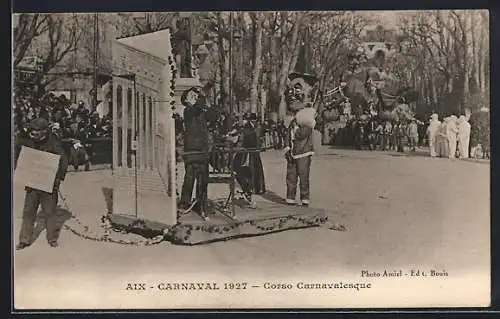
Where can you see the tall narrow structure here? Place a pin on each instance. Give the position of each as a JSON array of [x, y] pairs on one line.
[[144, 131]]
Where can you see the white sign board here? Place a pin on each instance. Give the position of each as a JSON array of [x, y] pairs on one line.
[[36, 169]]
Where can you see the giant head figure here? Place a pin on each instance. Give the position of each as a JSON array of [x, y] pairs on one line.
[[300, 91]]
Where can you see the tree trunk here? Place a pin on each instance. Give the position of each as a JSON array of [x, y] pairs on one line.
[[434, 90], [273, 89], [483, 51], [223, 65], [475, 53], [288, 56], [466, 57], [450, 84], [257, 61]]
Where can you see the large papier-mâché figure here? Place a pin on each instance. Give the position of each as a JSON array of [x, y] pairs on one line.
[[299, 136]]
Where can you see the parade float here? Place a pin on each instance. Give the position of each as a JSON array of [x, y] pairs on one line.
[[366, 91], [146, 93]]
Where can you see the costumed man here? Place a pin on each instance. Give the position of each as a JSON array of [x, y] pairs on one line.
[[398, 132], [387, 137], [196, 156], [299, 146], [413, 135], [451, 132], [40, 138], [463, 136], [248, 165], [442, 144], [432, 130]]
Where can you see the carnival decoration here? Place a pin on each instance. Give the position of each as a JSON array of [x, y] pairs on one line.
[[299, 92]]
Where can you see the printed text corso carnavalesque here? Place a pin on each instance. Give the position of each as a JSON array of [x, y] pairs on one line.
[[267, 285]]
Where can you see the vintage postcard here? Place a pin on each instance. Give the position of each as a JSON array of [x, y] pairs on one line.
[[203, 160]]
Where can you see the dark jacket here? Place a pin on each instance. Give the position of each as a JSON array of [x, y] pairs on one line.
[[196, 136], [299, 141], [51, 145], [249, 139]]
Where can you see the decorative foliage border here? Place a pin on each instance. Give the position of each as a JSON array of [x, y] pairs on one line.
[[188, 234], [173, 68]]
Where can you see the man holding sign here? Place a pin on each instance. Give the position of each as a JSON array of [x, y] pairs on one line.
[[41, 187]]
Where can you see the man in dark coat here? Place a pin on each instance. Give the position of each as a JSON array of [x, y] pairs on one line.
[[41, 139], [196, 147]]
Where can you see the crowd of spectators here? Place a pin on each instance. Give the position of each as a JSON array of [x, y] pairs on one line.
[[67, 120], [271, 134]]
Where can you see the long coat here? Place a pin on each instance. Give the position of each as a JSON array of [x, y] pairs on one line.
[[196, 135], [250, 139]]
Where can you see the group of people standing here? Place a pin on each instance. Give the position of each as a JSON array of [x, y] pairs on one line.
[[449, 138], [200, 143], [198, 147], [395, 135]]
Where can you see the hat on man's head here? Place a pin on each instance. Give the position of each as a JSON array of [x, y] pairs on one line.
[[252, 117], [39, 124], [310, 79], [184, 95]]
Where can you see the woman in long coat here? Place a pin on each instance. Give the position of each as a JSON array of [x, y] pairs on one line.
[[248, 166]]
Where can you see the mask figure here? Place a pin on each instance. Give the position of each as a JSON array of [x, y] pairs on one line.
[[299, 144]]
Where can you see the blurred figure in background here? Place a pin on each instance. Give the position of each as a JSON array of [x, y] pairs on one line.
[[463, 136], [413, 135], [451, 133], [432, 130], [442, 144]]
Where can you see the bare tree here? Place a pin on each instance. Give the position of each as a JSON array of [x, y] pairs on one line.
[[50, 38], [257, 23], [130, 24], [28, 28], [289, 36]]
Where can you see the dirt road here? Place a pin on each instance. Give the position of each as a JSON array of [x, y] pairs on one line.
[[400, 212]]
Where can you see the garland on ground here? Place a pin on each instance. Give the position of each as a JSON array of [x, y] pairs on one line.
[[203, 233], [189, 234], [75, 226]]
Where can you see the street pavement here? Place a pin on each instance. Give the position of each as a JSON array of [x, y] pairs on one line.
[[400, 212]]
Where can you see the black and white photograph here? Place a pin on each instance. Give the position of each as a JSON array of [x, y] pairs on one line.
[[251, 159]]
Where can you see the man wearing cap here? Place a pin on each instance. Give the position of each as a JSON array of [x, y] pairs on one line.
[[81, 110], [299, 138], [196, 147], [40, 138]]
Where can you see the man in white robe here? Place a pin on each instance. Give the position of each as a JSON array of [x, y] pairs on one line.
[[463, 137], [451, 133], [431, 133]]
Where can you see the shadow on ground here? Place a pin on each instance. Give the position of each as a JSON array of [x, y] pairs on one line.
[[62, 216], [108, 197], [273, 197]]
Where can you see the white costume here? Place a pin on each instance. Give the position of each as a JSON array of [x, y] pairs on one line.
[[463, 137], [432, 130], [441, 139], [451, 133]]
